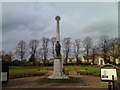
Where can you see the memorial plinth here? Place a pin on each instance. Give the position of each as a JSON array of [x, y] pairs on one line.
[[58, 70]]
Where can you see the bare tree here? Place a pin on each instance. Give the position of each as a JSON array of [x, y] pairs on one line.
[[66, 47], [33, 45], [104, 48], [94, 53], [113, 48], [39, 54], [21, 49], [118, 46], [87, 44], [2, 53], [12, 54], [45, 42], [53, 41], [77, 49]]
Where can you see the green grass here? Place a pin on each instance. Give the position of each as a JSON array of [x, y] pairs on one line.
[[17, 71], [89, 70], [118, 72], [70, 80]]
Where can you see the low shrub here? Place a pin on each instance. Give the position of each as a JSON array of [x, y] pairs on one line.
[[49, 64], [86, 63], [66, 71]]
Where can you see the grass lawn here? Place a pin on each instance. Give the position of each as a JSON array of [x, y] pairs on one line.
[[118, 72], [89, 70], [85, 70], [18, 71]]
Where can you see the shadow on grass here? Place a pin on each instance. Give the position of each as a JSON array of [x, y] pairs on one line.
[[47, 80]]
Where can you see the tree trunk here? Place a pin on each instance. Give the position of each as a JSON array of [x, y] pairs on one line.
[[66, 58], [77, 61], [87, 55]]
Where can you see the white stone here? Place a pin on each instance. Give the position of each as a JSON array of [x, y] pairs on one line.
[[101, 61], [58, 70]]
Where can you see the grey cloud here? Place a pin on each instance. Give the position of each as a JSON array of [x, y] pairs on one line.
[[26, 21], [101, 28]]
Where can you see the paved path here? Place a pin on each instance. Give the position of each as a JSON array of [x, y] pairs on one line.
[[30, 82]]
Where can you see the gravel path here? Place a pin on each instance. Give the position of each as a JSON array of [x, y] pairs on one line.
[[30, 82]]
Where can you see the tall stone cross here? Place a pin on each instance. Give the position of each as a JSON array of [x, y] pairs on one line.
[[58, 62]]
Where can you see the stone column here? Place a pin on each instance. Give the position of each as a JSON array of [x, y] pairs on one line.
[[57, 28]]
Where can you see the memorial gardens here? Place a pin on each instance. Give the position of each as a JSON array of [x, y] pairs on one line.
[[27, 71], [62, 68], [70, 53]]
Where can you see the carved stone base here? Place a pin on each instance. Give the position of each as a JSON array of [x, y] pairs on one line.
[[58, 70]]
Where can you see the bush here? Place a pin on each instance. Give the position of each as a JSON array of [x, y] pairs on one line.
[[15, 63], [86, 63], [49, 64], [69, 64], [23, 63], [66, 71]]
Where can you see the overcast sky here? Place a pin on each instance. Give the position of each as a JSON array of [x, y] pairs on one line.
[[26, 21]]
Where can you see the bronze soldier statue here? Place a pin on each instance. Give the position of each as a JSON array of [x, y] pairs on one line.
[[58, 48]]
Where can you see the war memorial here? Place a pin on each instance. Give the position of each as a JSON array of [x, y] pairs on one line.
[[57, 79]]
